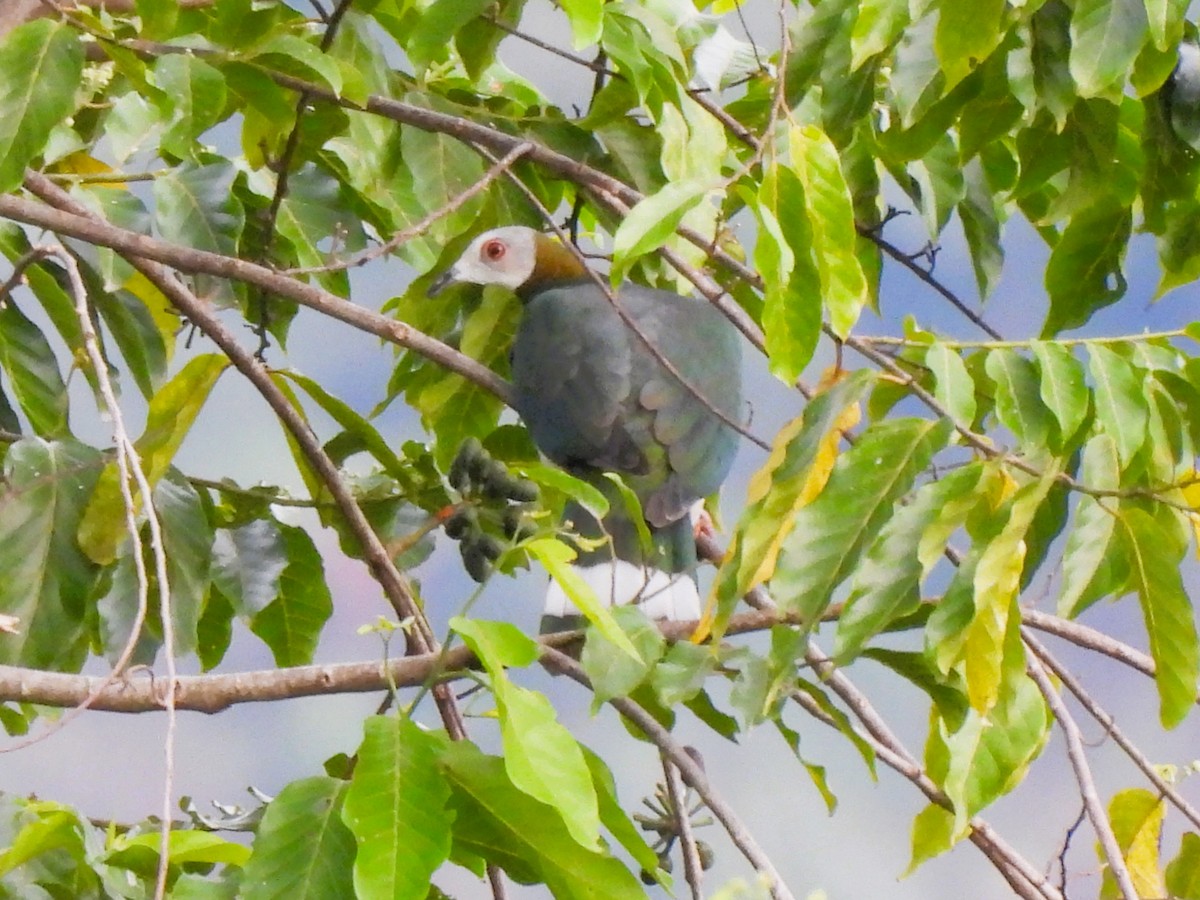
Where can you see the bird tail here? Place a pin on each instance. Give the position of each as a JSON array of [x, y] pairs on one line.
[[661, 578]]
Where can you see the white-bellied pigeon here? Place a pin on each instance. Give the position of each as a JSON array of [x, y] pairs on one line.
[[596, 399]]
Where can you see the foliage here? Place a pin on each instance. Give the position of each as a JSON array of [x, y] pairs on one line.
[[263, 150]]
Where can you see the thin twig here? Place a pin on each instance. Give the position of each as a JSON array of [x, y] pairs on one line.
[[693, 872], [1098, 713], [1083, 777]]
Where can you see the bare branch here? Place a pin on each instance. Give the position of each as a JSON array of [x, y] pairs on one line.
[[1083, 776], [1098, 713]]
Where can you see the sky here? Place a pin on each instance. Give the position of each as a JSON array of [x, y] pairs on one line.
[[860, 851]]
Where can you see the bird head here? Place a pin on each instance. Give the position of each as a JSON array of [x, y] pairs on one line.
[[513, 256]]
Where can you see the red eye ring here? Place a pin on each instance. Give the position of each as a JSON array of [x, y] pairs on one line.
[[494, 250]]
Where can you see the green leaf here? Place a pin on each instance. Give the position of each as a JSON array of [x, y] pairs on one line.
[[932, 834], [1120, 401], [540, 755], [587, 20], [247, 563], [613, 672], [652, 222], [187, 541], [952, 384], [196, 92], [1062, 387], [437, 26], [291, 623], [396, 808], [791, 316], [886, 585], [172, 411], [1019, 403], [355, 424], [1137, 819], [140, 853], [497, 821], [47, 579], [830, 212], [1088, 555], [828, 534], [1183, 872], [32, 370], [980, 215], [1154, 558], [877, 26], [556, 557], [588, 496], [966, 34], [614, 816], [302, 848], [296, 56], [195, 207], [1106, 36], [1084, 273], [41, 63], [996, 582], [802, 455]]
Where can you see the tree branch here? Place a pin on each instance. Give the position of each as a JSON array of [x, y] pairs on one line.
[[187, 259], [1083, 776]]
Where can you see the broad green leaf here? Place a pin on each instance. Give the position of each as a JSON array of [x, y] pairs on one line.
[[556, 557], [32, 369], [997, 580], [1106, 36], [435, 28], [877, 26], [291, 623], [1165, 19], [40, 67], [248, 561], [44, 827], [187, 540], [396, 808], [987, 756], [1154, 559], [1019, 403], [587, 20], [1084, 272], [1137, 819], [966, 34], [614, 817], [196, 92], [612, 671], [1183, 872], [140, 852], [1062, 387], [829, 534], [952, 384], [172, 411], [47, 579], [1088, 555], [652, 222], [588, 496], [886, 585], [527, 838], [830, 211], [540, 755], [353, 422], [137, 332], [1120, 401], [791, 316], [932, 834], [195, 207], [981, 217], [296, 56], [302, 848], [802, 456]]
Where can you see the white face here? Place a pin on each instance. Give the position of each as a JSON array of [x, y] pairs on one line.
[[504, 256]]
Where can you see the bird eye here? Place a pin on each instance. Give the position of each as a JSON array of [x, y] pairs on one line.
[[494, 250]]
